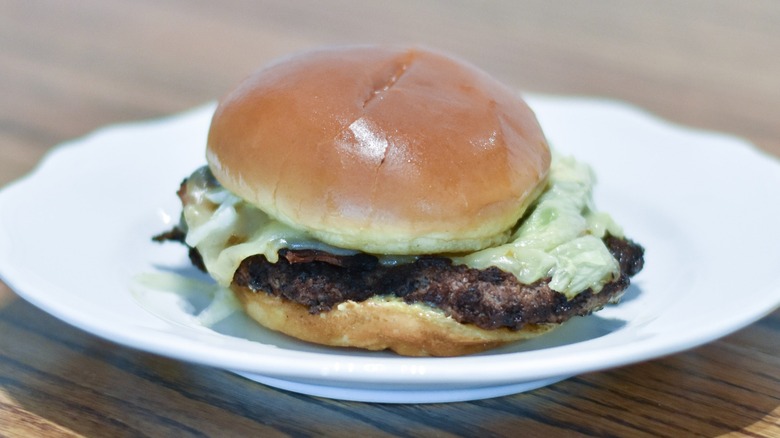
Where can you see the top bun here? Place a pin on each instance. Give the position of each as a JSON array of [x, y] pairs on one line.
[[385, 150]]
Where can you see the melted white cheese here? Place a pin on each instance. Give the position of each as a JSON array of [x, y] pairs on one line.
[[560, 238]]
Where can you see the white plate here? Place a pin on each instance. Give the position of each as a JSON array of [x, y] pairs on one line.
[[75, 234]]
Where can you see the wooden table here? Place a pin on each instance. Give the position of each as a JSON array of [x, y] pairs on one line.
[[67, 68]]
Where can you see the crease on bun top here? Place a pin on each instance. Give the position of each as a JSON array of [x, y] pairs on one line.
[[384, 150]]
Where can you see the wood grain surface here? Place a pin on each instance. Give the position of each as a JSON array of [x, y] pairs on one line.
[[67, 68]]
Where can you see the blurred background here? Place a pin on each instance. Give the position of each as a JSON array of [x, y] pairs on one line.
[[65, 71]]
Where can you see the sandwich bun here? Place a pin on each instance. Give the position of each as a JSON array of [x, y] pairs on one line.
[[384, 150], [380, 323], [387, 151]]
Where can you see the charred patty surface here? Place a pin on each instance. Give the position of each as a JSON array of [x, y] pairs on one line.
[[489, 298]]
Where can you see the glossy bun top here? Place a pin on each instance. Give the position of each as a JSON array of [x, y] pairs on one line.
[[381, 149]]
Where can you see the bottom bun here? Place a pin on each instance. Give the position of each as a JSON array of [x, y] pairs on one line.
[[380, 323]]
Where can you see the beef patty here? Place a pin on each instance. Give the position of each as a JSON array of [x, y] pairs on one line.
[[489, 298]]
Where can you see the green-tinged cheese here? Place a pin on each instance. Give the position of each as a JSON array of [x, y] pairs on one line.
[[559, 238]]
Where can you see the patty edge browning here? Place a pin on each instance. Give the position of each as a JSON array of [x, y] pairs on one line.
[[488, 298]]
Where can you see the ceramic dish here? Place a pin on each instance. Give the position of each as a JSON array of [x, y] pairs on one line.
[[704, 205]]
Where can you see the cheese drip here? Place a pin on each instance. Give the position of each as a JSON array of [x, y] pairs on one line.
[[559, 238]]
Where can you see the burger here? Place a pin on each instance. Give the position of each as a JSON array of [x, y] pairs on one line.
[[396, 198]]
